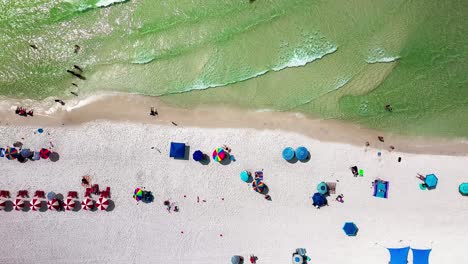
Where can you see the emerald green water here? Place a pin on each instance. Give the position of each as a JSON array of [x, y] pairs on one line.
[[336, 59]]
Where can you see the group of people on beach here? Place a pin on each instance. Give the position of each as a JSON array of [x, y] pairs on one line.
[[23, 111]]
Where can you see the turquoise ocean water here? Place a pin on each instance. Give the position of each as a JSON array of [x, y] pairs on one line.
[[337, 59]]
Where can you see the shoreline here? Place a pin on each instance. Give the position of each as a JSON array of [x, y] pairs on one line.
[[117, 107]]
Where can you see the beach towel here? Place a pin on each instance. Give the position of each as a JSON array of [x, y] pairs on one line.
[[398, 255], [421, 256], [259, 175], [381, 189]]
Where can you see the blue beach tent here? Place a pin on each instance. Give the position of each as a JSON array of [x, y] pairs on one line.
[[421, 256], [398, 255], [319, 200], [177, 150]]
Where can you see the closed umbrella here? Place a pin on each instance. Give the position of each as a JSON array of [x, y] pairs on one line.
[[18, 204], [302, 153], [322, 188], [54, 204], [198, 155], [44, 153], [69, 204], [219, 154], [288, 153], [102, 203], [35, 204], [87, 204]]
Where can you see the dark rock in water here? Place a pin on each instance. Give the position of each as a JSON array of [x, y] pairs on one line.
[[77, 75], [78, 68], [33, 46]]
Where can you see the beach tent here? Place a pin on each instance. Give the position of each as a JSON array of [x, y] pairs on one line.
[[288, 153], [421, 256], [381, 189], [322, 188], [35, 204], [87, 204], [319, 200], [219, 154], [18, 204], [431, 181], [177, 150], [398, 255], [102, 203], [302, 153], [237, 260], [198, 156], [244, 175], [350, 229], [69, 204], [463, 188]]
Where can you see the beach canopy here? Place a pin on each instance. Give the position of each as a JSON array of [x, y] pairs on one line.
[[102, 203], [302, 153], [236, 260], [258, 185], [138, 194], [463, 188], [350, 229], [244, 175], [398, 255], [54, 204], [44, 153], [198, 155], [87, 204], [421, 256], [177, 150], [431, 181], [319, 200], [219, 154], [322, 188], [18, 204], [35, 204], [11, 153], [288, 153], [69, 204]]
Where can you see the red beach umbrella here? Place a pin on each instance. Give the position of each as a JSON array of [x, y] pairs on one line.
[[2, 204], [102, 203], [87, 204], [44, 153], [35, 204], [69, 204], [18, 204], [54, 205]]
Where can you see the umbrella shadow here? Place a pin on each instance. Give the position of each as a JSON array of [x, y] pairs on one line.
[[59, 197], [226, 160], [111, 206], [27, 206], [266, 190], [77, 206], [8, 206], [293, 160], [306, 159], [43, 207], [54, 156], [250, 179], [186, 153], [206, 160]]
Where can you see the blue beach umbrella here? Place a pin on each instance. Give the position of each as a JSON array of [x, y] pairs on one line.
[[25, 153], [319, 200], [302, 153], [198, 155], [350, 229], [322, 188], [244, 175], [51, 196], [463, 188], [40, 130], [431, 181], [288, 153]]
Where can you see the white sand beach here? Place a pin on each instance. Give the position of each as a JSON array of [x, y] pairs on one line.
[[120, 155]]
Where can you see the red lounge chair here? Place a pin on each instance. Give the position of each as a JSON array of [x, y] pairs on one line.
[[22, 194], [88, 192], [106, 193], [95, 189], [5, 194], [72, 194], [39, 194]]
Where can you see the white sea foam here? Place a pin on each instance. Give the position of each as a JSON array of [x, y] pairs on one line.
[[300, 59], [105, 3], [382, 60]]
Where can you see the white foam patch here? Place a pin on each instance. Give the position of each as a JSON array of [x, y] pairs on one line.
[[382, 60], [105, 3]]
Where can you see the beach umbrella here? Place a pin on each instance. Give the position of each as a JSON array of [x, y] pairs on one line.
[[50, 196], [25, 153], [302, 153], [69, 204], [53, 205], [463, 188], [18, 204], [198, 155], [35, 204], [138, 194], [2, 204], [350, 229], [237, 260], [102, 203], [44, 153], [322, 188], [87, 204], [219, 154], [431, 181], [11, 153], [319, 200], [54, 156], [258, 185], [244, 175], [40, 130], [297, 259], [288, 153]]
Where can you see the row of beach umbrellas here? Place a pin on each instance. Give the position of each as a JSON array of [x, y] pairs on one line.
[[301, 153], [12, 153], [68, 204], [219, 154]]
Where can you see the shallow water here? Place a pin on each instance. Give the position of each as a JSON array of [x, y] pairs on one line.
[[337, 59]]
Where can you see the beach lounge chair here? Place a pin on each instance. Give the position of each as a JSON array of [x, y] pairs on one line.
[[95, 189], [22, 194], [259, 175], [331, 187], [88, 192], [106, 193], [5, 194], [37, 155], [72, 194], [381, 189], [39, 194]]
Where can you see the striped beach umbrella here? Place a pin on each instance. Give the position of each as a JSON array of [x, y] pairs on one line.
[[138, 194], [44, 153], [11, 153], [219, 154], [87, 204], [2, 204], [53, 205], [18, 204], [258, 185], [35, 204], [69, 204], [102, 203]]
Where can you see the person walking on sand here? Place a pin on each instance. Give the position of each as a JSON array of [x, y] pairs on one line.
[[253, 259]]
